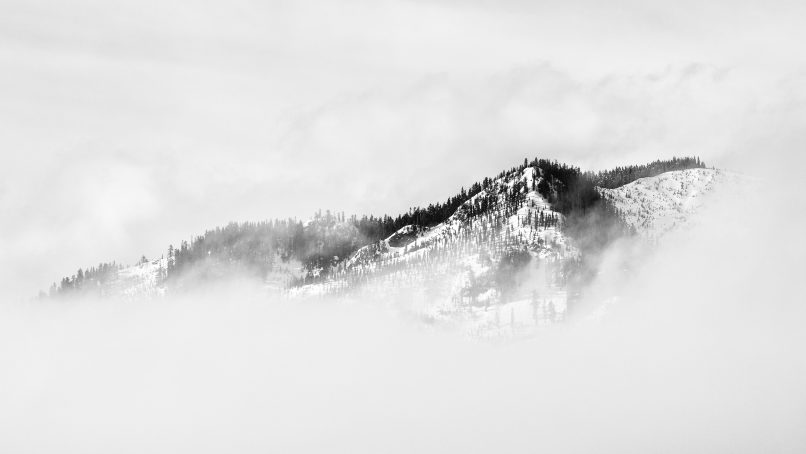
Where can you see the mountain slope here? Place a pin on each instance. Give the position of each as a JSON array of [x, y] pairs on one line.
[[508, 255], [476, 269], [656, 205]]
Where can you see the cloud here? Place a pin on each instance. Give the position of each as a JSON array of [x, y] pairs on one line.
[[702, 352], [444, 130]]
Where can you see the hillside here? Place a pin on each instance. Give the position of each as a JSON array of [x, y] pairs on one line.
[[501, 269], [508, 254], [655, 205]]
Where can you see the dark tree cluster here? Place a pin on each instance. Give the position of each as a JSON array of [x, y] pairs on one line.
[[565, 187], [375, 229], [86, 280], [620, 176]]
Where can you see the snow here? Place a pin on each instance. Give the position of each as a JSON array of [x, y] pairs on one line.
[[656, 205], [448, 260], [139, 280]]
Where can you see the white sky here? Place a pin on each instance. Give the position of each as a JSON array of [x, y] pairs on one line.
[[129, 125]]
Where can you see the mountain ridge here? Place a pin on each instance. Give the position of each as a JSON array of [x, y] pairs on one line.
[[544, 196]]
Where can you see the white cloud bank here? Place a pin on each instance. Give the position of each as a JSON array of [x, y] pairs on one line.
[[704, 353]]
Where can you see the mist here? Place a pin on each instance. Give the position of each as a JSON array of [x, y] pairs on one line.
[[127, 126], [701, 350]]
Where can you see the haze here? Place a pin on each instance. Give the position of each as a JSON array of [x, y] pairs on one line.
[[127, 126], [702, 352]]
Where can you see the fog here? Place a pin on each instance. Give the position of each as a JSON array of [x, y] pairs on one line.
[[702, 351], [128, 126]]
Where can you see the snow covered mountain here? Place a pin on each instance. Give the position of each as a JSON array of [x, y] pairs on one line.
[[488, 271], [508, 257]]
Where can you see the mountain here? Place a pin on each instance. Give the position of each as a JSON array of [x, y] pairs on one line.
[[510, 253]]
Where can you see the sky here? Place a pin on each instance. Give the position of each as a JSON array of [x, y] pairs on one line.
[[126, 126]]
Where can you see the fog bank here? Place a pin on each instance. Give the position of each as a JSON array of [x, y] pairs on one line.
[[702, 352]]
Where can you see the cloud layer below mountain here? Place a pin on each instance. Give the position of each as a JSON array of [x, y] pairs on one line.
[[702, 352]]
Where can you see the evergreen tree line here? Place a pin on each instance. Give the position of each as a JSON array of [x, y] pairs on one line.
[[620, 176], [257, 247], [91, 279]]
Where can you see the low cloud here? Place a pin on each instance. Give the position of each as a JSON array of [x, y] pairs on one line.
[[701, 352]]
